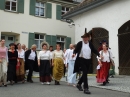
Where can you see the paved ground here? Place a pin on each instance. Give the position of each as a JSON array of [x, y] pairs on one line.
[[38, 90], [118, 83]]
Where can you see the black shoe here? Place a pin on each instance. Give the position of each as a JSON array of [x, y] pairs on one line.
[[5, 85], [31, 81], [86, 91], [55, 82], [58, 83], [107, 81], [104, 83], [79, 87]]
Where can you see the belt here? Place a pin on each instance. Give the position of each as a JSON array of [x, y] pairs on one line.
[[84, 58]]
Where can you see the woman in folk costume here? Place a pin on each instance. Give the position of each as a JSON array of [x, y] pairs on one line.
[[3, 63], [20, 71], [58, 64], [84, 50], [12, 57], [44, 59], [104, 65], [71, 78]]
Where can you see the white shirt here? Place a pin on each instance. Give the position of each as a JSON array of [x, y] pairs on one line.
[[66, 56], [44, 55], [85, 51], [70, 53], [32, 55], [21, 54]]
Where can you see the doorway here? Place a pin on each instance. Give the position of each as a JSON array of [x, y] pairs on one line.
[[124, 48], [8, 39], [97, 35]]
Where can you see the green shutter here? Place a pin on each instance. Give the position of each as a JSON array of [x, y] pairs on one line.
[[2, 4], [48, 39], [21, 6], [31, 37], [32, 7], [68, 42], [58, 12], [53, 41], [48, 8]]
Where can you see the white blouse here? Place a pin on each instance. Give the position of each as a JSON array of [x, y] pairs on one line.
[[21, 54], [44, 55], [106, 56], [58, 54]]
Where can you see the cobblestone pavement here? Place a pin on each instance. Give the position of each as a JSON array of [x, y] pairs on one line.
[[37, 90], [118, 83]]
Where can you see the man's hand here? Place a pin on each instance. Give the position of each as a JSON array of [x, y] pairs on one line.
[[73, 55]]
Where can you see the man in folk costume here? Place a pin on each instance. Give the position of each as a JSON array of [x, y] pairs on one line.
[[31, 62], [83, 60]]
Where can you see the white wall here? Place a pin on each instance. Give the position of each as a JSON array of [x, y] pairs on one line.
[[19, 23], [110, 16]]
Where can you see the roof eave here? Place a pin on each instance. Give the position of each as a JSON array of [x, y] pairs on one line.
[[85, 8]]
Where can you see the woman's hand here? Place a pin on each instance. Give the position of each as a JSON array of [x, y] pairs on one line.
[[52, 64], [102, 57], [66, 65], [100, 64], [0, 61]]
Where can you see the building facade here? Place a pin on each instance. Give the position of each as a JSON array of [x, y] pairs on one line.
[[109, 20], [34, 21]]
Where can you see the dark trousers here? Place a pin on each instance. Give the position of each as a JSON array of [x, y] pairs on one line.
[[84, 63], [30, 67], [64, 69]]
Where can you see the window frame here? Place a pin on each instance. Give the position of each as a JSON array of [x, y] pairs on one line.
[[64, 10], [39, 9], [60, 41], [39, 40], [11, 5]]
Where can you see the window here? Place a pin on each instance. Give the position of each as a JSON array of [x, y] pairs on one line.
[[39, 38], [10, 38], [61, 41], [11, 5], [64, 10], [40, 9], [2, 37]]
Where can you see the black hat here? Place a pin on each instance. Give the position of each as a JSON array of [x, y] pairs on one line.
[[103, 41], [11, 44], [85, 34]]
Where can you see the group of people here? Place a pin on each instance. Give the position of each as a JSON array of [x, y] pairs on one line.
[[12, 63], [51, 63]]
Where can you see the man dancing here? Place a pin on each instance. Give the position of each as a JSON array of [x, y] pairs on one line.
[[83, 60]]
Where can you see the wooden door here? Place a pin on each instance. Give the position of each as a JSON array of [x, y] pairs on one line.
[[124, 49], [97, 35]]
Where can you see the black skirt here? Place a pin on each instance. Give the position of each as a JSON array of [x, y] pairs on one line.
[[44, 71], [11, 73]]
